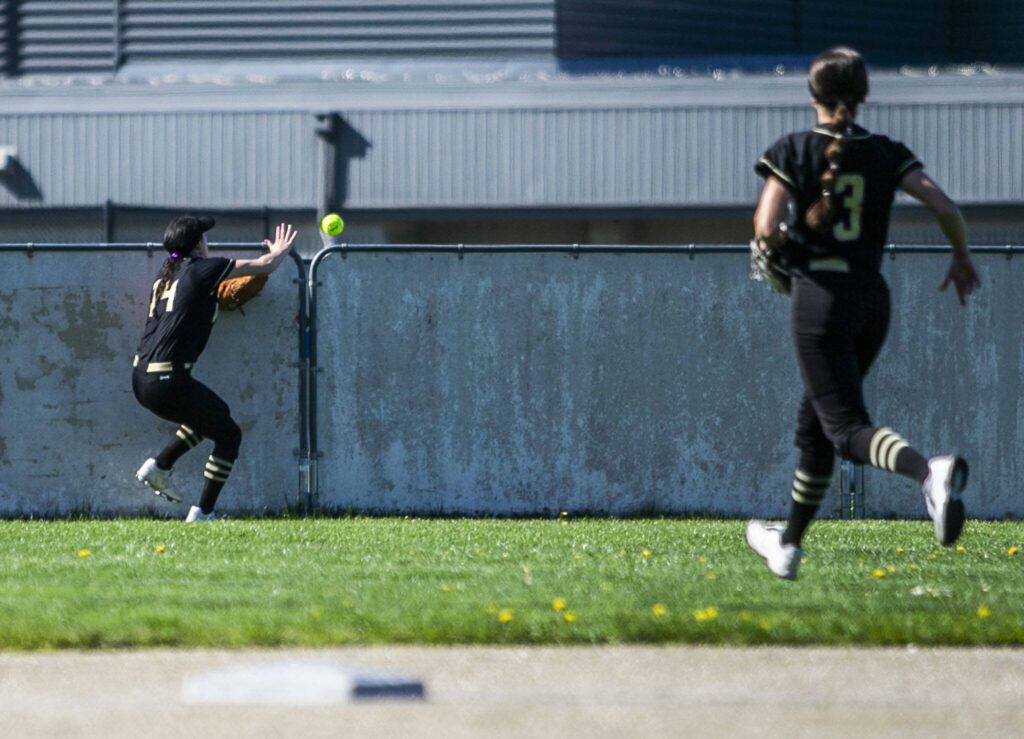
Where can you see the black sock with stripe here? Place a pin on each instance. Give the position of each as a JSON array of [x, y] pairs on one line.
[[184, 440], [216, 474], [885, 449], [808, 492]]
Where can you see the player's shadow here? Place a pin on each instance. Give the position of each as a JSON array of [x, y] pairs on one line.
[[18, 181], [344, 144]]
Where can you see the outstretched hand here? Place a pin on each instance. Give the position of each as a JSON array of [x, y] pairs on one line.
[[284, 236], [961, 273]]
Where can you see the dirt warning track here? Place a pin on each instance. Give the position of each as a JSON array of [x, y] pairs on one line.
[[523, 692]]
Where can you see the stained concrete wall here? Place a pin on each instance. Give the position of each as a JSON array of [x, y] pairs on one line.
[[626, 385], [512, 384], [71, 432]]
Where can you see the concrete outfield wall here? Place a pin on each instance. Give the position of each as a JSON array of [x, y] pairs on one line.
[[521, 384], [509, 384], [71, 432]]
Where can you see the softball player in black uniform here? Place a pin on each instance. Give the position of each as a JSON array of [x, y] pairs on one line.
[[182, 309], [834, 185]]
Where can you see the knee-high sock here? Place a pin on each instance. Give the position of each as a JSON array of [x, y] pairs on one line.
[[184, 439], [808, 491], [885, 449], [216, 474]]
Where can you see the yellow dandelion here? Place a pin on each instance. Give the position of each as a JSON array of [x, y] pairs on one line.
[[900, 550], [564, 522], [505, 615], [558, 604], [160, 549], [960, 548], [659, 610], [646, 553], [706, 614], [712, 576], [564, 514], [1012, 551], [84, 552], [569, 617], [984, 612], [890, 569], [878, 573]]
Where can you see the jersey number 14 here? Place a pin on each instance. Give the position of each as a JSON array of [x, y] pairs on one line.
[[167, 294]]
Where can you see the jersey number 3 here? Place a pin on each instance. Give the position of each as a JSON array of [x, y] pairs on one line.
[[167, 294], [849, 188]]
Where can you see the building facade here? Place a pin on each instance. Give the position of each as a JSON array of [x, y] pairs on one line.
[[520, 120]]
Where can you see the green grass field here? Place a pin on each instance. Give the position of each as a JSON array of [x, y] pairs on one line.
[[358, 580]]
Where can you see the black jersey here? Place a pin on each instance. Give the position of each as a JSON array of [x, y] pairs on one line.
[[870, 172], [181, 314]]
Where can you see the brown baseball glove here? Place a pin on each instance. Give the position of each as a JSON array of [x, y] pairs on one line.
[[234, 293]]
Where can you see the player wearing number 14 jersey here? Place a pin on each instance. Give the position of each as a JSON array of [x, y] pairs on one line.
[[182, 309], [834, 187]]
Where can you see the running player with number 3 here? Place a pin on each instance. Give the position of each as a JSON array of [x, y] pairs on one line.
[[826, 202]]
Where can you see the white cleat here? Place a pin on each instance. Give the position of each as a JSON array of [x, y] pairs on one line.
[[195, 513], [782, 559], [947, 478], [159, 480]]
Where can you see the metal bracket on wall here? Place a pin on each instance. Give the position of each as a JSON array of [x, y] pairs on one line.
[[851, 490]]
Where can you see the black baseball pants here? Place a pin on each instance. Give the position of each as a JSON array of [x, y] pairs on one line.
[[179, 398], [839, 323]]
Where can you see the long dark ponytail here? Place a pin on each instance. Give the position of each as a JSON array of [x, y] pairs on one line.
[[181, 238], [838, 80], [169, 270]]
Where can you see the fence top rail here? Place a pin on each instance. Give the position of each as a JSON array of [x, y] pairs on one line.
[[344, 248], [72, 246]]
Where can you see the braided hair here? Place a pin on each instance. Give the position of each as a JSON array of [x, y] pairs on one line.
[[838, 80]]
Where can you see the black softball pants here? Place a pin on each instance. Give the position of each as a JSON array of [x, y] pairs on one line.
[[179, 398], [839, 323]]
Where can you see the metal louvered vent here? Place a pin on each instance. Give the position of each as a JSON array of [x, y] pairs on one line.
[[672, 28], [162, 30], [7, 67], [53, 37], [887, 32]]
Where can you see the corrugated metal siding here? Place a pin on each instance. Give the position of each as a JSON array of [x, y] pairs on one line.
[[649, 158], [170, 30], [976, 152], [65, 37], [500, 158], [78, 36], [187, 159]]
